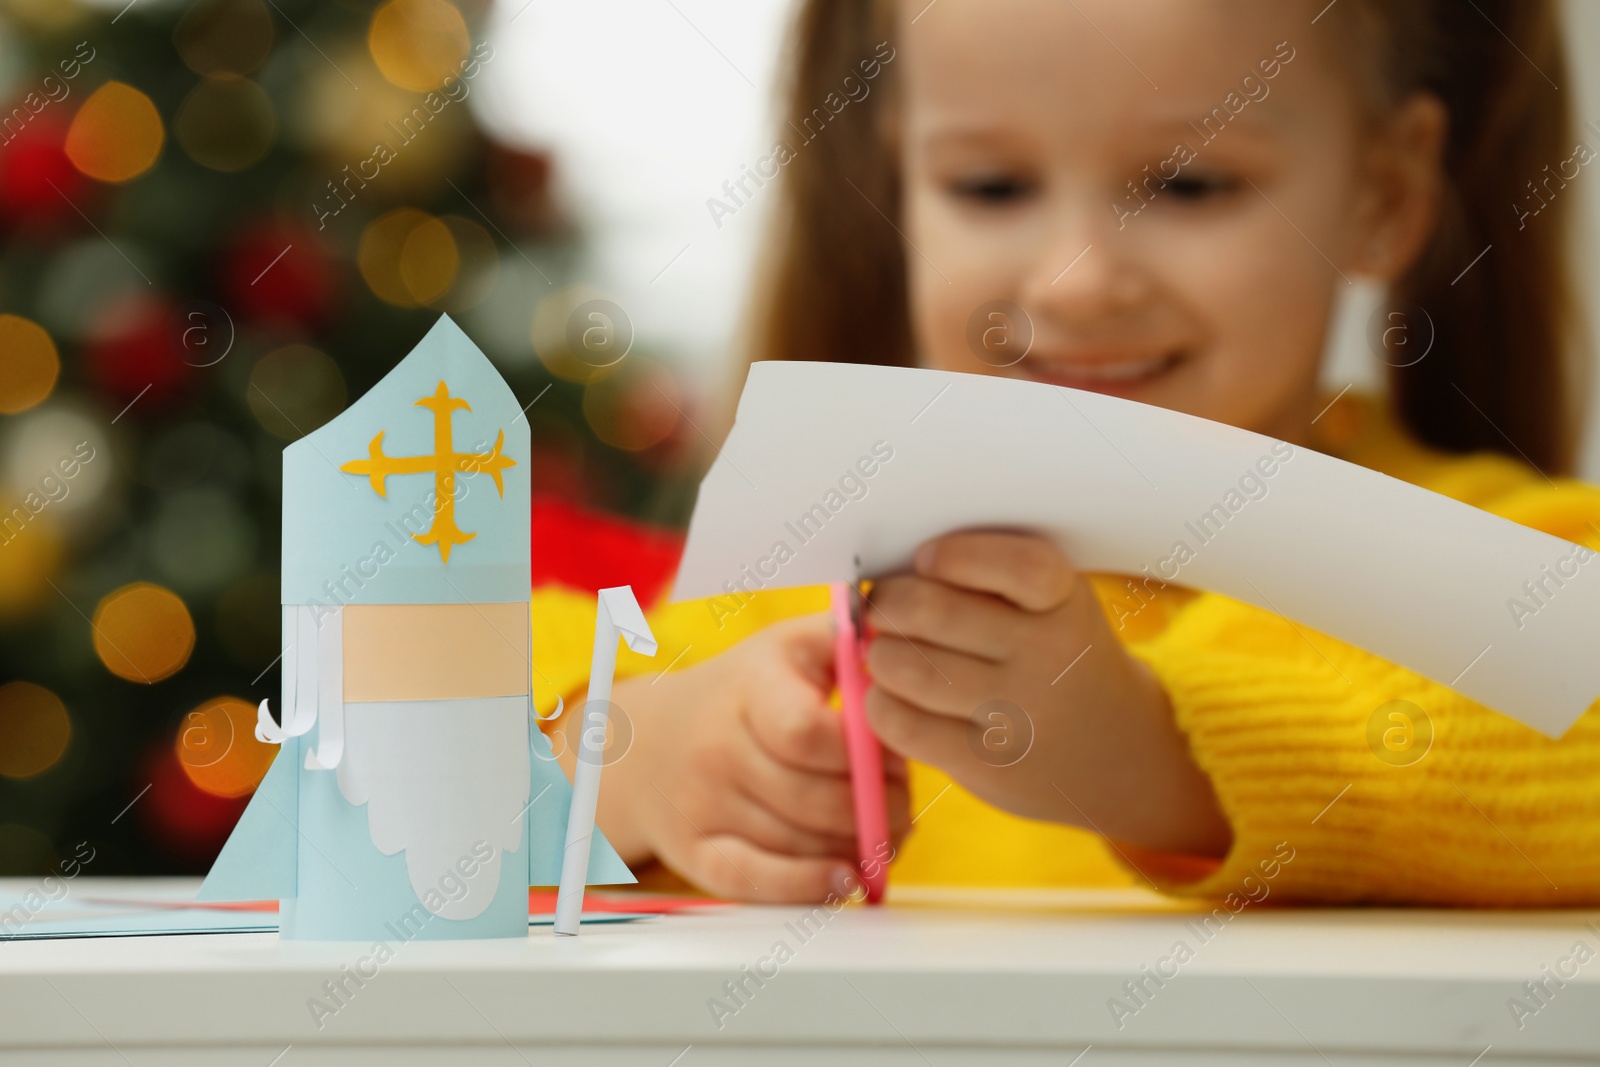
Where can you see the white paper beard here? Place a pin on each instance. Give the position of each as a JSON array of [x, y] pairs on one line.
[[445, 781]]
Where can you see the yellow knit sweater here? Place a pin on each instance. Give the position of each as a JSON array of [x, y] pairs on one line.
[[1281, 718]]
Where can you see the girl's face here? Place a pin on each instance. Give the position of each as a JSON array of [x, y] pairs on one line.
[[1155, 199]]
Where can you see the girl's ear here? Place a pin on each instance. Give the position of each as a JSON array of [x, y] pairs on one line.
[[1405, 183]]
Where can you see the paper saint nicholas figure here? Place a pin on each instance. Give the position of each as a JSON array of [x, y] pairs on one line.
[[414, 795]]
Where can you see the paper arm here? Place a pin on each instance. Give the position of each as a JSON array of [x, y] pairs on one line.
[[313, 685], [327, 639]]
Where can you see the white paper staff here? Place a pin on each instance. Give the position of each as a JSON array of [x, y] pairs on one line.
[[617, 615]]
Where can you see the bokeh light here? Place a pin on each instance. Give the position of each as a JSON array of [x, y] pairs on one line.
[[636, 408], [34, 729], [38, 183], [408, 257], [346, 127], [281, 275], [294, 390], [201, 539], [429, 261], [224, 36], [218, 750], [29, 561], [116, 135], [552, 331], [87, 276], [179, 818], [29, 367], [49, 15], [134, 350], [225, 123], [60, 454], [479, 266], [417, 44], [143, 633]]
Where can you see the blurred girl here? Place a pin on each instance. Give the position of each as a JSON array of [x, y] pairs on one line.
[[1174, 193]]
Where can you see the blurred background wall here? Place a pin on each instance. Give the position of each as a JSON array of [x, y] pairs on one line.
[[223, 220]]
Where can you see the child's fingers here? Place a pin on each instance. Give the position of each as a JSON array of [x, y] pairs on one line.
[[931, 677], [730, 866], [819, 803], [793, 725], [928, 737], [913, 607], [755, 820], [898, 796], [807, 643], [1029, 571]]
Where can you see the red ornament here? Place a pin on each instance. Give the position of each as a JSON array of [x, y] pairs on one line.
[[281, 276], [183, 820], [133, 349], [38, 183]]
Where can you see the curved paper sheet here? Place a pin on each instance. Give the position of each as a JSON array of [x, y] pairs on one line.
[[827, 462]]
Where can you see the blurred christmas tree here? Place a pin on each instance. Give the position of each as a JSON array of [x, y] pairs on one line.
[[222, 222]]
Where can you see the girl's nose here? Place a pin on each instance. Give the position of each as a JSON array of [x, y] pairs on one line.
[[1086, 272]]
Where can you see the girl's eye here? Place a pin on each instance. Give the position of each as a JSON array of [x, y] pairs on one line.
[[1200, 186], [993, 189]]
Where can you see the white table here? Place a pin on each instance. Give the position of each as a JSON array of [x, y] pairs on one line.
[[936, 978]]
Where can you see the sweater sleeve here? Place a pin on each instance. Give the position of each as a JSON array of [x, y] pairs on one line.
[[1347, 778]]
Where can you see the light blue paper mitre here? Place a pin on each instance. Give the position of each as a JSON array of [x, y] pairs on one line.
[[373, 476]]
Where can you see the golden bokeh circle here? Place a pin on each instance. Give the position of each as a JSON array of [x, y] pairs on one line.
[[417, 44], [218, 750], [116, 135], [408, 257], [224, 36], [29, 367], [34, 729], [143, 632], [294, 390], [429, 261], [29, 561], [226, 123], [557, 319], [479, 266]]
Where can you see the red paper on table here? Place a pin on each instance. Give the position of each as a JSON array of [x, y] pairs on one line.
[[540, 902]]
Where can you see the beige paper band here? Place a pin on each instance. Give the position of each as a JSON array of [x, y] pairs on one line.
[[435, 651]]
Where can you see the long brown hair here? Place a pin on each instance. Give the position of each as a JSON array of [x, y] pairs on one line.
[[1507, 355]]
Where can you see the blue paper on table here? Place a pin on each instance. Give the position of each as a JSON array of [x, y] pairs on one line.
[[121, 922], [414, 785]]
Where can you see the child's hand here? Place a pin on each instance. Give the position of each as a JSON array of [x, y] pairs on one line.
[[737, 777], [1001, 617]]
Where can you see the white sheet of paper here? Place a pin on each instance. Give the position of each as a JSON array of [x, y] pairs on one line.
[[1424, 581]]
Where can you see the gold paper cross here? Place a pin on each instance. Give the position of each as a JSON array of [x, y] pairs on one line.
[[444, 464]]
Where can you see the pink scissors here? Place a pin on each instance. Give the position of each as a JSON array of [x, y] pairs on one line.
[[866, 755]]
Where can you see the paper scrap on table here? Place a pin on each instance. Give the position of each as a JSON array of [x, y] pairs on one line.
[[827, 462], [198, 921], [161, 908]]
